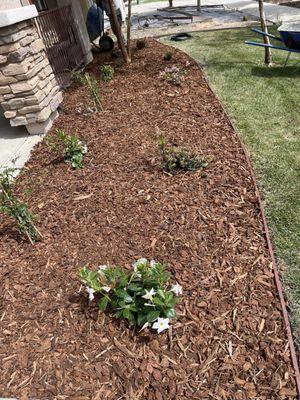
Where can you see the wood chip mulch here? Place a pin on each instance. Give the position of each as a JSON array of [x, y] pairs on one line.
[[229, 340]]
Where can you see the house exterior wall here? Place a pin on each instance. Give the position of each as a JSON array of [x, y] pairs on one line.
[[29, 92], [85, 5], [9, 4], [80, 22], [51, 4]]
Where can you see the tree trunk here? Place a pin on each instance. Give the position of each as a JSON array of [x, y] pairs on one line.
[[118, 30], [264, 28], [129, 28], [198, 5], [170, 3]]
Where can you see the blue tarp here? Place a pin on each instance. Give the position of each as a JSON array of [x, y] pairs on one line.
[[95, 22]]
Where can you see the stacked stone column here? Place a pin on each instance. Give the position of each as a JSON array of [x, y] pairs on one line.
[[29, 93]]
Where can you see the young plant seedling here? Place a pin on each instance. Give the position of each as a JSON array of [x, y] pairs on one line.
[[177, 159], [72, 148], [12, 206], [107, 73], [142, 295], [91, 83], [168, 56], [141, 43]]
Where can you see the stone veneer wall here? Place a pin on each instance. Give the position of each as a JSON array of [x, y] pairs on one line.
[[29, 93]]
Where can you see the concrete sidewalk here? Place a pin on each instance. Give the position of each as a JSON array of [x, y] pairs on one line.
[[274, 12], [15, 144]]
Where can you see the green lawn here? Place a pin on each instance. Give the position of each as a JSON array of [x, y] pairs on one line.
[[264, 104]]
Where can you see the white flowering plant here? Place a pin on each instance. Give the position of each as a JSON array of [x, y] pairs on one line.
[[173, 75], [72, 148], [142, 295]]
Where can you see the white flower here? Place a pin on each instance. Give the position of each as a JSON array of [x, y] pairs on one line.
[[177, 289], [149, 294], [153, 263], [91, 293], [102, 267], [84, 149], [83, 146], [144, 326], [161, 324], [138, 263], [106, 289], [149, 304]]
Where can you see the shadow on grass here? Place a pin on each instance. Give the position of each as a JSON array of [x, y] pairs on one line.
[[227, 66], [276, 72]]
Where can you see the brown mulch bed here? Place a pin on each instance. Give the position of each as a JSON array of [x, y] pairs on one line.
[[229, 341]]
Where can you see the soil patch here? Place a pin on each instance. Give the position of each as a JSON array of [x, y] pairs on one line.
[[229, 341]]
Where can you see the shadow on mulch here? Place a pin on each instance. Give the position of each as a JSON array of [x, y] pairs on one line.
[[229, 340], [9, 231]]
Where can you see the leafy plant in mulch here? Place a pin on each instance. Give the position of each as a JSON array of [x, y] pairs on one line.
[[107, 73], [141, 43], [142, 295], [175, 159], [70, 146], [91, 83], [168, 56], [173, 75], [12, 206]]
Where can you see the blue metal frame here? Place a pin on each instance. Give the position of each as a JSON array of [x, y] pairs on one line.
[[271, 46], [266, 34]]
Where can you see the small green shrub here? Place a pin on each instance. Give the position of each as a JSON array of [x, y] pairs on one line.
[[70, 146], [141, 295], [78, 77], [107, 73], [168, 56], [12, 206], [173, 75], [177, 159], [141, 43], [119, 62]]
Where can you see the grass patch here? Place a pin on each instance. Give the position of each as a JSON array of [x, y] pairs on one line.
[[264, 104]]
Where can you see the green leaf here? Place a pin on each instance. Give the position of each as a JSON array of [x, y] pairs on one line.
[[161, 293], [128, 298], [102, 303], [152, 315], [170, 313], [158, 302], [141, 319], [134, 287], [169, 297], [128, 315]]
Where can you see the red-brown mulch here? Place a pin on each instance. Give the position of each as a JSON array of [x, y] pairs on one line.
[[228, 341]]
